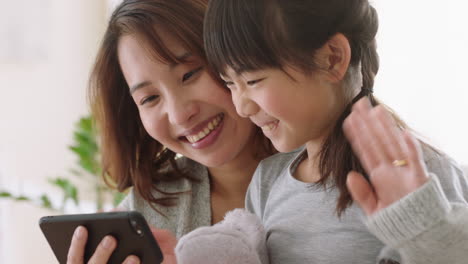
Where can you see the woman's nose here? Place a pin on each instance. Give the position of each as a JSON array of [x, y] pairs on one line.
[[182, 109]]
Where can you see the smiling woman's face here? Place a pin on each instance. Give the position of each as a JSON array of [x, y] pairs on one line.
[[182, 107]]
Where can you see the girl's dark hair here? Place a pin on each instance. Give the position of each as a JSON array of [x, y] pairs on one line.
[[249, 35], [130, 156]]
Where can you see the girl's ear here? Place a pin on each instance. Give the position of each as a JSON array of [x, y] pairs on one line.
[[334, 57]]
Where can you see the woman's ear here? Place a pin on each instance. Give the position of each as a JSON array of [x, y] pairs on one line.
[[334, 57]]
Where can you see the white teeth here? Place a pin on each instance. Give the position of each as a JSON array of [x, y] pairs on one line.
[[191, 138], [201, 134], [204, 132]]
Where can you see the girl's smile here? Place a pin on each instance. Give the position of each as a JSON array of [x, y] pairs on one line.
[[291, 107]]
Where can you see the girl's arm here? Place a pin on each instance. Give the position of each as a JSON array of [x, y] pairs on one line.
[[408, 208], [424, 227]]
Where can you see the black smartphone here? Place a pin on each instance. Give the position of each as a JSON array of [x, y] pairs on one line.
[[130, 229]]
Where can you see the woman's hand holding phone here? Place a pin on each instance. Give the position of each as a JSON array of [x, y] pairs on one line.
[[101, 254], [165, 239], [167, 243]]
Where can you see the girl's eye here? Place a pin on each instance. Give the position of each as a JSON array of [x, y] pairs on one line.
[[189, 74], [228, 84], [148, 99], [255, 81]]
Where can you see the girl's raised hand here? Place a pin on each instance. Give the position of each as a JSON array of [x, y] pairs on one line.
[[391, 157]]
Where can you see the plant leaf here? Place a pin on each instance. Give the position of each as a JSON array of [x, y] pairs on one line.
[[5, 194], [70, 191], [118, 197], [45, 202], [85, 145], [22, 198]]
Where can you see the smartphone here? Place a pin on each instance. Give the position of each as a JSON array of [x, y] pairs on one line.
[[130, 229]]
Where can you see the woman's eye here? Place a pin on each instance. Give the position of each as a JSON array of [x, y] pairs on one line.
[[189, 74], [148, 99], [255, 81]]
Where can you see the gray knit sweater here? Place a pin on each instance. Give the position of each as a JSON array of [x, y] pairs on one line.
[[428, 226], [193, 208]]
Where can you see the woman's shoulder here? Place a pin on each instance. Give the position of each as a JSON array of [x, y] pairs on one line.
[[192, 205], [190, 211], [195, 174], [197, 177]]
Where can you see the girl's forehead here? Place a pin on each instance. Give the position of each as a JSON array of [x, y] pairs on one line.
[[229, 72], [232, 74]]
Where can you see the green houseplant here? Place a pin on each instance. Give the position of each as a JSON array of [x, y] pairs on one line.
[[86, 149]]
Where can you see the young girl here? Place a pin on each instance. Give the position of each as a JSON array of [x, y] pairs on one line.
[[303, 71], [154, 97]]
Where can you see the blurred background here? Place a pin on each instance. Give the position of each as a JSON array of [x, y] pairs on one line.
[[47, 48]]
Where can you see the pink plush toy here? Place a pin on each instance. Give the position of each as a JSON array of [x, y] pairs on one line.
[[239, 238]]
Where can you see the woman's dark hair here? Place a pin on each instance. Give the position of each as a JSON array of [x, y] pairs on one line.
[[130, 156], [249, 35]]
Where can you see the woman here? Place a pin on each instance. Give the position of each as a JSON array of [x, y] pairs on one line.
[[154, 98]]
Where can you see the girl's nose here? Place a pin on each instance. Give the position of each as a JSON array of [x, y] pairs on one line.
[[245, 107]]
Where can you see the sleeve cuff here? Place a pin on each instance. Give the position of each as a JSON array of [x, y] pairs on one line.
[[412, 215]]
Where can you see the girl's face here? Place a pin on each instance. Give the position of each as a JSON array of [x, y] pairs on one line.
[[291, 107], [182, 107]]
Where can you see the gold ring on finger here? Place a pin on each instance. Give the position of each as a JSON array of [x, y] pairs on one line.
[[399, 162]]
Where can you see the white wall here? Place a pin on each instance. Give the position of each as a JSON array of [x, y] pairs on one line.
[[424, 56], [47, 48]]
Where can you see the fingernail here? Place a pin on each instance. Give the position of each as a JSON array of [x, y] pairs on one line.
[[79, 232], [108, 242], [131, 260]]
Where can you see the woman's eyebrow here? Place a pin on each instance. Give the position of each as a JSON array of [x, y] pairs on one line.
[[182, 57], [138, 86]]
